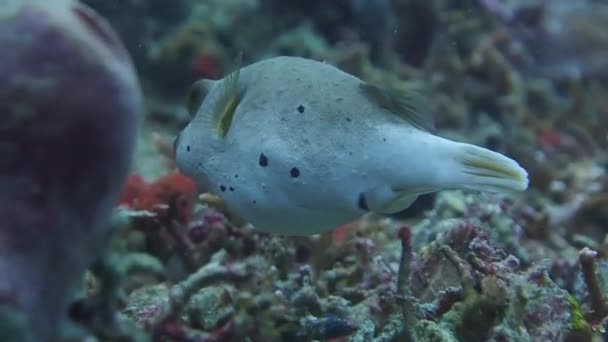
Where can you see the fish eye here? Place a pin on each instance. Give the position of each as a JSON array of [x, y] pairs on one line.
[[197, 93]]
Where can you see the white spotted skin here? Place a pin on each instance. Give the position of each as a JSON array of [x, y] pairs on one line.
[[341, 143]]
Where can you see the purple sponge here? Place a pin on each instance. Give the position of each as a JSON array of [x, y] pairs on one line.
[[70, 109]]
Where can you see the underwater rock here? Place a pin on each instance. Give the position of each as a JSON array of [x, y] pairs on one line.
[[71, 106], [209, 308], [146, 303]]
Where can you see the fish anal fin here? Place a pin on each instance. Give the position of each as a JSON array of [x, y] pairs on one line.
[[384, 200]]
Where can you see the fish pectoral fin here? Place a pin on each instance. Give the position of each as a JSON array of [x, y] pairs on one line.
[[231, 97], [400, 203], [385, 200]]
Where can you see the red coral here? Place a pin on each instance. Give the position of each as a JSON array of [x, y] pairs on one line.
[[171, 191], [206, 65], [341, 234], [135, 193], [550, 138]]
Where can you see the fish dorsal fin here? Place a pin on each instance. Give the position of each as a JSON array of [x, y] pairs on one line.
[[230, 98], [410, 106]]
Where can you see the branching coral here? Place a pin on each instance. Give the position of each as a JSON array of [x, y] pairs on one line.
[[599, 305]]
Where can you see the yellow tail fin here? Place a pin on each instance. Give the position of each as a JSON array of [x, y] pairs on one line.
[[485, 170]]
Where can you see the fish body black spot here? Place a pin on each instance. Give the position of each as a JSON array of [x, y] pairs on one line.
[[231, 188], [188, 148], [362, 202], [301, 109], [294, 172], [263, 161], [223, 188], [348, 119]]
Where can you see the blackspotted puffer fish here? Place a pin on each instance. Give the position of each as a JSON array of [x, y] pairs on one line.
[[299, 147]]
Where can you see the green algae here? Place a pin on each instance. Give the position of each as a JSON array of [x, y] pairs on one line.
[[578, 323]]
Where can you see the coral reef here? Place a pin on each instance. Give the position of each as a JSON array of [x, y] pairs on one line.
[[525, 78]]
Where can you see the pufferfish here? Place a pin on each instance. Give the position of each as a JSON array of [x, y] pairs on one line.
[[298, 147]]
